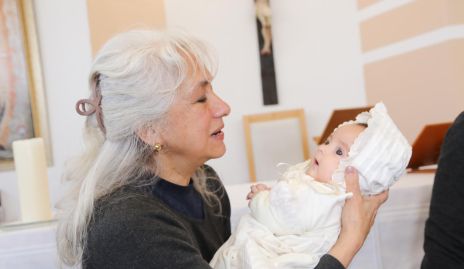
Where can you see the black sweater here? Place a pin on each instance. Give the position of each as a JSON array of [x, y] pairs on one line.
[[444, 229]]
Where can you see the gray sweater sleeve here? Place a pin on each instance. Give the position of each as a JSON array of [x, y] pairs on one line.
[[329, 262]]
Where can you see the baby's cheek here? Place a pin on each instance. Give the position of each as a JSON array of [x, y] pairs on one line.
[[331, 170], [322, 174]]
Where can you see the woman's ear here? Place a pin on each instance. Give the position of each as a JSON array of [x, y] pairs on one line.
[[148, 135]]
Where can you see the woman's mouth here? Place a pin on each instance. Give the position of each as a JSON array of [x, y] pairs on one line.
[[218, 134]]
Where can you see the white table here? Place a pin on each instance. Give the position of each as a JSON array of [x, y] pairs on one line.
[[395, 241], [27, 246]]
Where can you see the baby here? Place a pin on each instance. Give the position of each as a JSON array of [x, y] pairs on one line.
[[297, 221]]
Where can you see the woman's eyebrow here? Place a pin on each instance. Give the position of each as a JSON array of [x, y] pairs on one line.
[[201, 84]]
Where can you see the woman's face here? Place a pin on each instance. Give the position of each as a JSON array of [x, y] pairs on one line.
[[193, 130]]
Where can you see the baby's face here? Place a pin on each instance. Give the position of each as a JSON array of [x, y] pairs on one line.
[[335, 148]]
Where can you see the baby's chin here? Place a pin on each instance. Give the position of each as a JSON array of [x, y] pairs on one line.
[[313, 174], [323, 180]]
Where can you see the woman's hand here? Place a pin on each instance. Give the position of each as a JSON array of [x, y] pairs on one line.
[[254, 189], [358, 215]]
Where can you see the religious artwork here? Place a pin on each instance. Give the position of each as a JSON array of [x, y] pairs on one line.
[[264, 23], [22, 113]]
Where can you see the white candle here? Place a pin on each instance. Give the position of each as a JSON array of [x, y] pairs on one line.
[[31, 168]]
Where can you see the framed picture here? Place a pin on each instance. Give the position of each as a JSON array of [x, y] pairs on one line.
[[272, 138], [23, 112]]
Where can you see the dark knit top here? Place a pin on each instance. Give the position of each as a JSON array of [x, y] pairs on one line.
[[183, 199]]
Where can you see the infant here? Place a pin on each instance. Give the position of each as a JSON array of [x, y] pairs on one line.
[[297, 221]]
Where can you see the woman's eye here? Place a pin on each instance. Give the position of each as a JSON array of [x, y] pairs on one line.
[[202, 99], [326, 142], [339, 152]]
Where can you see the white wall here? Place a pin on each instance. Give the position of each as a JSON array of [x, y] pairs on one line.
[[317, 56]]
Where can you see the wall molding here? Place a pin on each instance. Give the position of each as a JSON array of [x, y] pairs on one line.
[[438, 36], [380, 8]]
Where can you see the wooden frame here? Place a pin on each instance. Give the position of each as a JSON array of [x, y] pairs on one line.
[[21, 13], [273, 116]]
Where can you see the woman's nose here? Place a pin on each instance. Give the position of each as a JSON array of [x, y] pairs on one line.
[[221, 109]]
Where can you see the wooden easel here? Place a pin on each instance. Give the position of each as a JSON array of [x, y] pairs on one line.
[[426, 147]]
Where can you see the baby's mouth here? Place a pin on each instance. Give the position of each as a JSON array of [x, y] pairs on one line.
[[316, 162]]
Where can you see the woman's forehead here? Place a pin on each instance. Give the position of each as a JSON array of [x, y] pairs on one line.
[[196, 77]]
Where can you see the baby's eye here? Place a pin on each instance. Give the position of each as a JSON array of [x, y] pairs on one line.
[[339, 152]]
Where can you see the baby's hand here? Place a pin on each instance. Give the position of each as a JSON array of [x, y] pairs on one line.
[[255, 189]]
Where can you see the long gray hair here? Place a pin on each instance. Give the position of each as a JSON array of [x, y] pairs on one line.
[[138, 74]]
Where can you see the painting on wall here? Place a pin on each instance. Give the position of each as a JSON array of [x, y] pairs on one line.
[[22, 102]]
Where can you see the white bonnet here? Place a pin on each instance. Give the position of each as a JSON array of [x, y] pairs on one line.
[[380, 153]]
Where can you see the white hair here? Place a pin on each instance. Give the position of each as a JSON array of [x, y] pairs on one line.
[[138, 74]]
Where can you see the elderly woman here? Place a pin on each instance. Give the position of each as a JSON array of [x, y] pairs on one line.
[[141, 195]]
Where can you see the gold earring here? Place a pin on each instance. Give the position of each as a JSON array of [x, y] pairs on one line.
[[157, 147]]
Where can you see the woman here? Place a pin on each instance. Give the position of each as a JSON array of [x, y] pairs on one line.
[[444, 233], [142, 196]]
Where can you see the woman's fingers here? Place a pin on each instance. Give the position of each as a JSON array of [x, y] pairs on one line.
[[358, 216], [360, 211], [374, 202], [381, 197], [352, 181]]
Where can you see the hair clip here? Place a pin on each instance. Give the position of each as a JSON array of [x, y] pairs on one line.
[[95, 107]]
